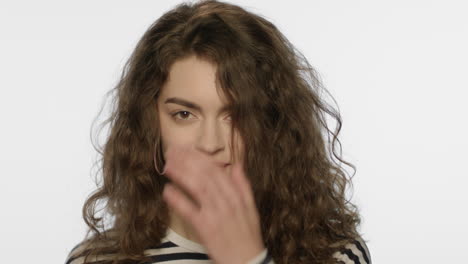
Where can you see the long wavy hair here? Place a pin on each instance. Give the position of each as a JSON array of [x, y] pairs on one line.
[[279, 111]]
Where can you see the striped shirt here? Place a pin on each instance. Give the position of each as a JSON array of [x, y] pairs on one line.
[[176, 249]]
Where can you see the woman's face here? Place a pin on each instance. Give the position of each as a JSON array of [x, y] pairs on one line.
[[191, 112]]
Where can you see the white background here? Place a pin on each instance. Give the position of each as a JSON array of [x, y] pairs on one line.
[[398, 70]]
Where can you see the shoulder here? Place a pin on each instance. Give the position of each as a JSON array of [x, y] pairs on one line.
[[78, 252], [75, 253], [356, 252]]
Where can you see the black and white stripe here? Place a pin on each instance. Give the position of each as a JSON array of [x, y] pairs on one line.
[[171, 253], [354, 253], [167, 252]]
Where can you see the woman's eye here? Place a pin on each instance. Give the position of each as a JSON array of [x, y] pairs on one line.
[[183, 114]]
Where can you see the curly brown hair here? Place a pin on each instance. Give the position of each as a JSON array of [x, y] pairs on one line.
[[278, 110]]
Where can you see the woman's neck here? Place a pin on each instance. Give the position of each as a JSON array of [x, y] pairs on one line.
[[178, 225]]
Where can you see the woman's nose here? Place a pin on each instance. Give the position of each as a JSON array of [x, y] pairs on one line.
[[210, 137]]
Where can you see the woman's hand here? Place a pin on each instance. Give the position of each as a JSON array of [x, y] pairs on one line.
[[224, 214]]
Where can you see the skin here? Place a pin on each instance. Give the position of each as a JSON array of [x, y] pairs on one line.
[[209, 203]]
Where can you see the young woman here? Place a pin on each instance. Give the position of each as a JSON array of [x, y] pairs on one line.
[[216, 152]]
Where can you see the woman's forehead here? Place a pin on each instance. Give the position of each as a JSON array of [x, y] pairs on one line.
[[193, 79]]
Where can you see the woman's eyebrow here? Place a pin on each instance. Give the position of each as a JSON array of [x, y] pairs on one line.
[[192, 105]]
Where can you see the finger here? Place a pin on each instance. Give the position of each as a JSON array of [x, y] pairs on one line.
[[179, 202], [172, 156], [187, 185], [187, 171], [229, 194], [213, 198], [241, 181]]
